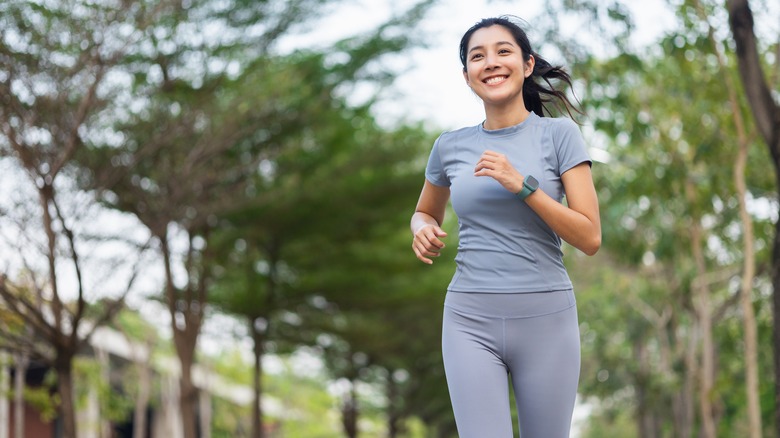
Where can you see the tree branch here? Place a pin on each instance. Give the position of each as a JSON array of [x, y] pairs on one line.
[[765, 110]]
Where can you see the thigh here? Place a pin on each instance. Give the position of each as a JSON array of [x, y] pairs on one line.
[[545, 372], [476, 376]]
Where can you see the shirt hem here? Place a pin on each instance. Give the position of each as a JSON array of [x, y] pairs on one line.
[[536, 289]]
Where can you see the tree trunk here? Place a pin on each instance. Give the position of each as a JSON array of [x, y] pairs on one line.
[[104, 359], [703, 308], [749, 316], [748, 265], [349, 412], [5, 391], [185, 325], [66, 408], [142, 397], [766, 114], [21, 371], [188, 400], [776, 314], [393, 418], [748, 272], [645, 418], [188, 394], [685, 405], [257, 406]]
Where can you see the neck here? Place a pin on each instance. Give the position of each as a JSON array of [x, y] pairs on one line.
[[497, 119]]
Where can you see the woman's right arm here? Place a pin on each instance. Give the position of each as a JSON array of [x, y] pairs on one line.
[[426, 222]]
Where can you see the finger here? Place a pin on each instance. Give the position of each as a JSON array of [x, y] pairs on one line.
[[430, 238], [421, 257], [487, 160], [492, 156], [484, 165], [427, 248], [483, 172]]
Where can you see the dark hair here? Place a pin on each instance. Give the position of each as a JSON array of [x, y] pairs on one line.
[[535, 95]]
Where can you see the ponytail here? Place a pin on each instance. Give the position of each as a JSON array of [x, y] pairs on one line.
[[537, 96]]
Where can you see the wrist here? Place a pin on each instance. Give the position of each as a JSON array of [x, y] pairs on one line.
[[530, 185], [420, 227]]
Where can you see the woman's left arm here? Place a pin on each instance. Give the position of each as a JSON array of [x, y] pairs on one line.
[[579, 223]]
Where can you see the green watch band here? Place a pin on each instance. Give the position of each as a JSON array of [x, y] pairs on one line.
[[530, 184]]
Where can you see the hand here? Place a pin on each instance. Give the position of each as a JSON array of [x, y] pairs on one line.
[[426, 242], [497, 166]]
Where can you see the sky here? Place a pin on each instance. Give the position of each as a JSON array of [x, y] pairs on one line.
[[430, 87]]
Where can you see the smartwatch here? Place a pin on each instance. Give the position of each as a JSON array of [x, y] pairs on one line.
[[530, 184]]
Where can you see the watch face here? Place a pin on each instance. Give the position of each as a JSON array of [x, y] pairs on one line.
[[532, 182]]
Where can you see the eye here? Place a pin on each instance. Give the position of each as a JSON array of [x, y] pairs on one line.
[[476, 56], [504, 51]]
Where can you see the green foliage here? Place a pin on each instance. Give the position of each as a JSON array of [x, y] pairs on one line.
[[43, 401], [307, 408], [663, 118], [229, 420], [114, 400], [615, 424], [317, 253], [135, 327]]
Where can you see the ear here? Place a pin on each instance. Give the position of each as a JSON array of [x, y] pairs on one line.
[[530, 65], [466, 77]]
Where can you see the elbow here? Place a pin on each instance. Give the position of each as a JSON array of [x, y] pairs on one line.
[[592, 246]]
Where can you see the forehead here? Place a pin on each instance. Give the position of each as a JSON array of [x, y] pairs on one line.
[[488, 36]]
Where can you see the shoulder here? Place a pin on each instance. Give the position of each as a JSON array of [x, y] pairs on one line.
[[459, 133], [559, 124], [561, 129], [448, 140]]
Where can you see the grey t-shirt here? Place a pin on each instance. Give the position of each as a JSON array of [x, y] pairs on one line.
[[505, 247]]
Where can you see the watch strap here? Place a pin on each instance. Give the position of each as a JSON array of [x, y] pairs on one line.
[[526, 191]]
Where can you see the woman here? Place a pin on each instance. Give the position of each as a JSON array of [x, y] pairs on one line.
[[510, 307]]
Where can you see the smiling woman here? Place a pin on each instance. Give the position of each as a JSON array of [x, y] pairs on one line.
[[510, 308], [494, 55]]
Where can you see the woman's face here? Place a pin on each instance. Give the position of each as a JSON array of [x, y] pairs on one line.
[[495, 69]]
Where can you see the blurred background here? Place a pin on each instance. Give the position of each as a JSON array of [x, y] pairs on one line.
[[204, 211]]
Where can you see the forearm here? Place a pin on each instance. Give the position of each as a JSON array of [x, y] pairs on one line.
[[574, 227]]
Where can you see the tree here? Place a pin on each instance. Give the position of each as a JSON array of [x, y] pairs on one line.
[[55, 63], [766, 114], [748, 270], [379, 323], [200, 144], [342, 179], [677, 241], [183, 171], [713, 308]]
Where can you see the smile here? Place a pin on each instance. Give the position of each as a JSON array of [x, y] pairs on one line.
[[495, 80]]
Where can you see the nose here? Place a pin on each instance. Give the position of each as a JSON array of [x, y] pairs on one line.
[[491, 61]]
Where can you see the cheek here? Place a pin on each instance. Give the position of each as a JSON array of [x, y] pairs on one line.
[[470, 76]]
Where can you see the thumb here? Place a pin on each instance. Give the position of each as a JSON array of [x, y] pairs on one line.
[[439, 232]]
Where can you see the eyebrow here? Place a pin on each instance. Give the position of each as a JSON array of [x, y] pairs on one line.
[[498, 44]]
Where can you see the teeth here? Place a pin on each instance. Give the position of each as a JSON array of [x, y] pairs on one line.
[[495, 80]]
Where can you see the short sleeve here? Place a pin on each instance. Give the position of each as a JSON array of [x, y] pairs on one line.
[[570, 146], [434, 171]]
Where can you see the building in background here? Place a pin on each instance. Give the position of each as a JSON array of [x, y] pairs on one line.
[[114, 360]]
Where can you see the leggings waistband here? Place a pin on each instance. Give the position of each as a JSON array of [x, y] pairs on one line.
[[517, 305]]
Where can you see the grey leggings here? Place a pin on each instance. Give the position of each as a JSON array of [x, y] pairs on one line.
[[532, 337]]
